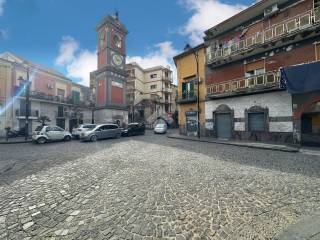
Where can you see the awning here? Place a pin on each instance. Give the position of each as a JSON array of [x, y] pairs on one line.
[[302, 78]]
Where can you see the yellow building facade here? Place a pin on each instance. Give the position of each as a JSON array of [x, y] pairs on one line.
[[187, 92]]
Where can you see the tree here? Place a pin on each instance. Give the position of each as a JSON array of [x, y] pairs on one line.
[[43, 120]]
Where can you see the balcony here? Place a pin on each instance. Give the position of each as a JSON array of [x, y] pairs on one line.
[[287, 28], [21, 113], [57, 99], [167, 89], [187, 97], [247, 85], [167, 78]]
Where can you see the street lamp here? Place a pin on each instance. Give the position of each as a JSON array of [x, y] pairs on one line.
[[27, 91], [196, 55]]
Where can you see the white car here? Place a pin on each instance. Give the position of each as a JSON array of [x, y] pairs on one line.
[[76, 132], [44, 134], [160, 128]]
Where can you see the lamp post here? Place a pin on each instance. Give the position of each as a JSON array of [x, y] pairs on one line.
[[196, 55], [27, 107]]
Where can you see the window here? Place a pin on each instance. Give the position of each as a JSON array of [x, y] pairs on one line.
[[60, 92], [153, 76], [58, 129], [187, 89], [110, 127], [256, 122], [153, 86], [75, 96], [60, 111]]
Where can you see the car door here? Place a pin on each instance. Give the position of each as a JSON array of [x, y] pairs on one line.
[[59, 133], [108, 131], [99, 132], [115, 130], [50, 133]]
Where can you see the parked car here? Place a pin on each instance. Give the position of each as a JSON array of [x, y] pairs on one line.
[[43, 134], [101, 131], [160, 128], [134, 129], [83, 127]]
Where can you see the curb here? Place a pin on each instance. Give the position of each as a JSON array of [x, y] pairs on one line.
[[282, 149]]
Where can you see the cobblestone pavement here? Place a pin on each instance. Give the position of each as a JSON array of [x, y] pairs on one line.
[[152, 188]]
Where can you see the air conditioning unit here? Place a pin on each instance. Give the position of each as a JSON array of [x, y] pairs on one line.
[[271, 10]]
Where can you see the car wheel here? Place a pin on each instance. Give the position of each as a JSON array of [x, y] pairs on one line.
[[41, 140], [93, 138], [118, 135], [67, 138]]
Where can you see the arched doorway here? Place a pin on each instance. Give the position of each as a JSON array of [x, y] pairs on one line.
[[310, 125], [223, 118]]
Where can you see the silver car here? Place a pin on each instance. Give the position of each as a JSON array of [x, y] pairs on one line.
[[160, 128], [76, 132], [101, 131], [44, 134]]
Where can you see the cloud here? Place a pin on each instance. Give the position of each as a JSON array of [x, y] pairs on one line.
[[3, 34], [2, 2], [68, 47], [161, 54], [77, 62], [206, 14]]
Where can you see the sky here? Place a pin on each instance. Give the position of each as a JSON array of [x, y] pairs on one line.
[[61, 33]]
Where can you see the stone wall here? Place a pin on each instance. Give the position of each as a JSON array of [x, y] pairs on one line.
[[279, 115]]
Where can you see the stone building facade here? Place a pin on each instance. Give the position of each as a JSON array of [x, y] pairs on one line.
[[187, 90], [53, 95], [246, 98], [150, 93]]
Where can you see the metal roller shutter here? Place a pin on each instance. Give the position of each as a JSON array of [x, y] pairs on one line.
[[223, 125], [256, 122]]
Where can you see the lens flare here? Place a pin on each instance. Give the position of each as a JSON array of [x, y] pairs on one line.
[[19, 93]]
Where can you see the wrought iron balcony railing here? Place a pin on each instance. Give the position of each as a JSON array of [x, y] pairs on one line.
[[187, 97], [298, 23], [252, 83]]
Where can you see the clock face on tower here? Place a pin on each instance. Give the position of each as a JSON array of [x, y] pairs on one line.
[[117, 60]]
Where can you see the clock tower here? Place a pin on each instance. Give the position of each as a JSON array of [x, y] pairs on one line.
[[108, 82]]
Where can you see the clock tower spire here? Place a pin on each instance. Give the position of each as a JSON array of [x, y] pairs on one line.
[[109, 80]]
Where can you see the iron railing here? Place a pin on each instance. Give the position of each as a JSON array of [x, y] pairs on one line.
[[266, 80], [276, 31]]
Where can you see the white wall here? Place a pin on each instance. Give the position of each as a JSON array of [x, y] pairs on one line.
[[278, 103]]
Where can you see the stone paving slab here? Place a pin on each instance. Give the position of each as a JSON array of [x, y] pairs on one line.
[[267, 146], [140, 190]]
